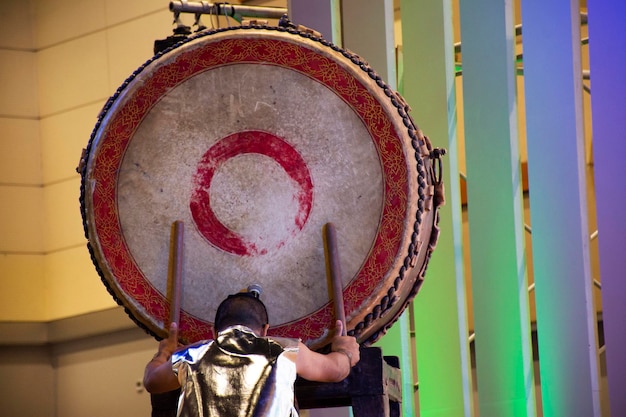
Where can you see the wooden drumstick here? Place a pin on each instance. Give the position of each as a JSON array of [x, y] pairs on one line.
[[176, 269], [333, 270]]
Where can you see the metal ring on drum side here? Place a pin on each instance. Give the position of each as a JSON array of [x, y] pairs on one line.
[[256, 137]]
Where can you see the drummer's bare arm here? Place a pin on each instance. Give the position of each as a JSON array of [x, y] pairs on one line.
[[332, 367], [159, 376]]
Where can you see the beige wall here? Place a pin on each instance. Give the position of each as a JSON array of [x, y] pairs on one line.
[[21, 226], [59, 62], [101, 376]]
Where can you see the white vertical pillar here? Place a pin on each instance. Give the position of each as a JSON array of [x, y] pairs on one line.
[[566, 322], [323, 16], [607, 50], [368, 32], [504, 364]]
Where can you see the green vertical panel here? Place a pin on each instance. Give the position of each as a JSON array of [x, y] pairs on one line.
[[504, 366], [566, 320], [369, 32], [440, 309]]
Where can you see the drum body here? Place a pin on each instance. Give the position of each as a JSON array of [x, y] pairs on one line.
[[255, 138]]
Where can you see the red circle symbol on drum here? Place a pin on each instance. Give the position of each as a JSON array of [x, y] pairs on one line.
[[203, 203]]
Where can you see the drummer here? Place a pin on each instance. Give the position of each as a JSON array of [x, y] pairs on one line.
[[243, 369]]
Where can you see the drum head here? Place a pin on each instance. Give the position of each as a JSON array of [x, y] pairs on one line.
[[255, 138]]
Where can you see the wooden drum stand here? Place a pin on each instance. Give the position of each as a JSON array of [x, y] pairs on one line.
[[373, 388]]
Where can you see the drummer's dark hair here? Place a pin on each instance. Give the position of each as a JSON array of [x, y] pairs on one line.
[[242, 308]]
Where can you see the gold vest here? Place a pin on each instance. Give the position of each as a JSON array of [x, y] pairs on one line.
[[237, 375]]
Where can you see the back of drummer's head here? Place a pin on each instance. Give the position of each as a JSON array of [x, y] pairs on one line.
[[241, 309]]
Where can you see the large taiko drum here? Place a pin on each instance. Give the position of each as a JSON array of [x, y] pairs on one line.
[[255, 138]]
